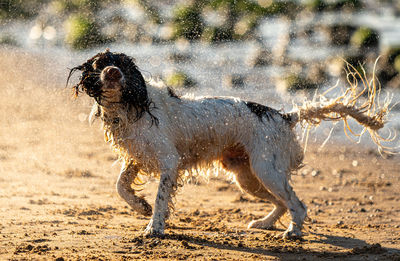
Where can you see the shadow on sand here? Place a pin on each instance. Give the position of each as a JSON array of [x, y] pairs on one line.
[[351, 248]]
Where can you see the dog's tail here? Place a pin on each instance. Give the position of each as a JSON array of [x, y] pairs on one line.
[[362, 104]]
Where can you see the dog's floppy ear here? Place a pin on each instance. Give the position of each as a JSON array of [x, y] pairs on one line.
[[134, 93]]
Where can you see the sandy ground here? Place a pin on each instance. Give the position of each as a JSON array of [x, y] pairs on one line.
[[58, 198]]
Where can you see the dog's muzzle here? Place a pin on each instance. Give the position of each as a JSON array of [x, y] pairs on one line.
[[111, 74]]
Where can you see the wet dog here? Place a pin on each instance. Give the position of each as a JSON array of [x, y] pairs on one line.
[[155, 132]]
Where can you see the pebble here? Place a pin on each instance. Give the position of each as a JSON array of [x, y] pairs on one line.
[[315, 173]]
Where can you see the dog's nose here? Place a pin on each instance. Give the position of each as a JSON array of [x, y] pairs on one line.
[[111, 73]]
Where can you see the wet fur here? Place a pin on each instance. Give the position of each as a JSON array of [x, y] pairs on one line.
[[158, 133]]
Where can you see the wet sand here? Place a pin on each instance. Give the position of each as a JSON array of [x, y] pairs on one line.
[[58, 198]]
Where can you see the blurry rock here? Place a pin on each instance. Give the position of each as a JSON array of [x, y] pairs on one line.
[[339, 34], [234, 81], [295, 82], [178, 57], [259, 57], [394, 83], [83, 6], [316, 74], [188, 22], [365, 37], [8, 39], [306, 31], [336, 66], [132, 32], [280, 50], [388, 66], [246, 25], [82, 32], [179, 79], [166, 31], [345, 5]]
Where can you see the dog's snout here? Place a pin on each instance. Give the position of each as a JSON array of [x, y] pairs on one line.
[[111, 73]]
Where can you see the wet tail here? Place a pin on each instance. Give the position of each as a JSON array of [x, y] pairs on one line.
[[362, 105]]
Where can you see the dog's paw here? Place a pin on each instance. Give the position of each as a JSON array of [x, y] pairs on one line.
[[261, 224], [293, 232], [152, 230], [145, 208]]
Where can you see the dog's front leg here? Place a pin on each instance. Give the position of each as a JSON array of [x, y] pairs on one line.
[[166, 189], [126, 177]]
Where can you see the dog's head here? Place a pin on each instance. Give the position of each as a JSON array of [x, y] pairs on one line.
[[113, 78]]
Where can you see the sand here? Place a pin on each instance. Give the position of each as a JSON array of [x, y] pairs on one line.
[[58, 198]]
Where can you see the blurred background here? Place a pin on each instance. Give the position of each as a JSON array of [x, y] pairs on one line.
[[271, 51]]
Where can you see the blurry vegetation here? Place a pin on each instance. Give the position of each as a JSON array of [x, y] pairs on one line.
[[188, 22], [179, 79], [82, 24], [238, 18], [365, 37], [82, 32]]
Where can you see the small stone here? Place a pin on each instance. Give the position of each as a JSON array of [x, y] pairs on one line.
[[315, 173], [322, 188]]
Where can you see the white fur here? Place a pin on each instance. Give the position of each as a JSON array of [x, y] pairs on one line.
[[196, 134]]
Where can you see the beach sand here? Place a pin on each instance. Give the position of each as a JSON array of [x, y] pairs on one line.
[[58, 197]]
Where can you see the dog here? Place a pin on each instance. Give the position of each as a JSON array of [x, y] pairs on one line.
[[156, 132]]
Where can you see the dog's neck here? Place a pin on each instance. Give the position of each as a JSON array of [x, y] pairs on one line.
[[112, 113]]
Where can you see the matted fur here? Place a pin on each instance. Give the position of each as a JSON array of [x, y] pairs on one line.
[[155, 132]]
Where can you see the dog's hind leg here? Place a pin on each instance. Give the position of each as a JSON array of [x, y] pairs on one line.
[[127, 175], [275, 180], [236, 161], [249, 183]]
